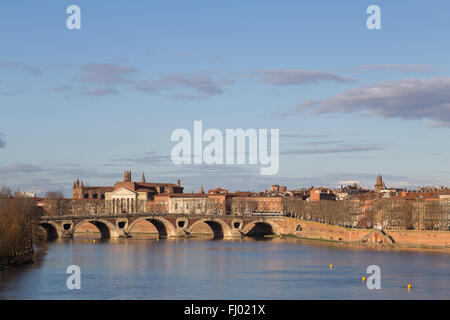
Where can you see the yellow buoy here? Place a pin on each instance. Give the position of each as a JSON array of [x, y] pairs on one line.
[[409, 286], [331, 266], [363, 279]]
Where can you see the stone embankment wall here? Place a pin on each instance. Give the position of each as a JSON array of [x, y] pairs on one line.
[[422, 238], [409, 238], [320, 231], [8, 262]]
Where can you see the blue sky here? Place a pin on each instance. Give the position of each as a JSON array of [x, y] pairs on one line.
[[349, 102]]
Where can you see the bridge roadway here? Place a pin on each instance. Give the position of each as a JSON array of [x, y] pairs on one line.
[[171, 225]]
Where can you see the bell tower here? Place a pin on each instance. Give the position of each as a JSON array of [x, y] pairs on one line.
[[78, 189], [127, 176], [379, 185]]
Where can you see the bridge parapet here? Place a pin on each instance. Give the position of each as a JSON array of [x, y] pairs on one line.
[[152, 214]]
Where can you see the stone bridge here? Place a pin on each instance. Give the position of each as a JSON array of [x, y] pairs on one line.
[[171, 225], [175, 225]]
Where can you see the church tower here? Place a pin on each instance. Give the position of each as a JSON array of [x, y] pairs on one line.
[[379, 185], [78, 189], [127, 176]]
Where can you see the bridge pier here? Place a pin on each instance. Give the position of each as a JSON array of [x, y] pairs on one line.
[[236, 234], [229, 235], [67, 234], [122, 226], [182, 234], [123, 234]]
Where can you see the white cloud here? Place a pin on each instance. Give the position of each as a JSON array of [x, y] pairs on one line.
[[299, 77], [105, 74], [409, 99], [200, 83]]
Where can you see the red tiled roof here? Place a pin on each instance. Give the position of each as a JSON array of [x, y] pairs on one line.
[[103, 188], [157, 184]]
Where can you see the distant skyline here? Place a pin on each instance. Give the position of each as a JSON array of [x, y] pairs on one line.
[[349, 102]]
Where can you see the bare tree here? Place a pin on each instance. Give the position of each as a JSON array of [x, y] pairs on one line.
[[54, 195], [432, 215], [19, 230], [5, 193], [445, 214]]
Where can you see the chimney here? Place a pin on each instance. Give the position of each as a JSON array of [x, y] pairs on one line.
[[179, 182]]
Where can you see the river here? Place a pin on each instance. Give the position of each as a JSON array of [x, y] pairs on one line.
[[221, 269]]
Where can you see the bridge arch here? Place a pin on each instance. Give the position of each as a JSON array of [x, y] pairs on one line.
[[219, 227], [106, 228], [52, 229], [164, 226], [261, 228]]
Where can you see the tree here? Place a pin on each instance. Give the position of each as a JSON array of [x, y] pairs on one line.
[[54, 195], [5, 193], [445, 214], [296, 208], [432, 215], [20, 231], [239, 205]]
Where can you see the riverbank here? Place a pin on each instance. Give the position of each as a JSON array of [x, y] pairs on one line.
[[375, 246], [11, 262], [19, 231], [413, 239]]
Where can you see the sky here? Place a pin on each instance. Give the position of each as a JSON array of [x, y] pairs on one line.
[[349, 102]]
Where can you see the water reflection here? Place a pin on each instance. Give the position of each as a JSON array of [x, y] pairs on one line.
[[225, 269]]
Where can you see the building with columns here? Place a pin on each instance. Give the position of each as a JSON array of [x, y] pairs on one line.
[[126, 196]]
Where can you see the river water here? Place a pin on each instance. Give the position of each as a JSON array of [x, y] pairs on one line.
[[221, 269]]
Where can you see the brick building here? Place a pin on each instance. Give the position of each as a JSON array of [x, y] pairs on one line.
[[126, 196], [318, 194]]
